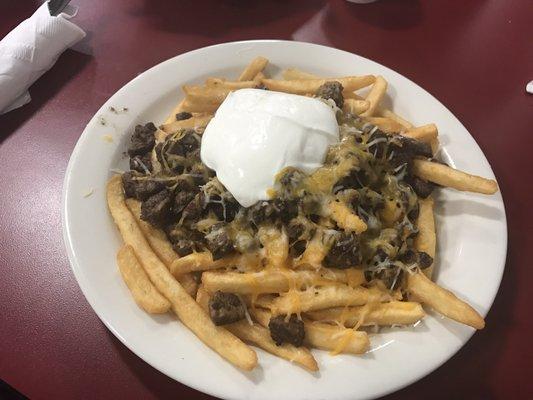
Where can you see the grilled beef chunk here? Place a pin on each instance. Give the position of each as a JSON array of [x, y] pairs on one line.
[[184, 241], [356, 179], [424, 260], [183, 115], [142, 140], [225, 308], [378, 143], [294, 230], [224, 212], [196, 207], [297, 248], [409, 257], [141, 188], [285, 210], [391, 277], [187, 143], [142, 163], [332, 90], [344, 252], [291, 331], [262, 211], [422, 188], [218, 241], [157, 208]]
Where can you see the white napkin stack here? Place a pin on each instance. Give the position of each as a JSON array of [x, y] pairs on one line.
[[31, 49]]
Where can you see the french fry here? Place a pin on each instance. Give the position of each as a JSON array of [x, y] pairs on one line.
[[445, 176], [425, 133], [143, 291], [257, 65], [345, 218], [160, 245], [386, 113], [391, 313], [275, 246], [336, 339], [375, 95], [231, 85], [426, 240], [390, 213], [260, 336], [202, 261], [310, 86], [291, 74], [189, 312], [443, 301], [199, 106], [276, 281], [322, 297], [199, 121], [326, 337], [175, 110], [387, 125], [355, 106], [204, 94], [259, 77]]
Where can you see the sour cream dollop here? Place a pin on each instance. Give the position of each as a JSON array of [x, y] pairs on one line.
[[256, 133]]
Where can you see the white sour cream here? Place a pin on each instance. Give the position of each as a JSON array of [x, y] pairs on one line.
[[256, 133]]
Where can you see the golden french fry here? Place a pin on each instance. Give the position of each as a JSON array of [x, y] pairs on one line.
[[445, 176], [160, 245], [205, 94], [310, 86], [326, 337], [392, 313], [257, 65], [202, 261], [189, 312], [277, 281], [231, 85], [443, 301], [294, 302], [425, 133], [291, 74], [199, 121], [260, 336], [336, 339], [386, 113], [375, 95], [355, 106], [345, 218], [199, 106], [259, 77], [275, 246], [176, 110], [385, 124], [426, 240], [143, 291]]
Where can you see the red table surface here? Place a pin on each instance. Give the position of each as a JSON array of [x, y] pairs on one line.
[[475, 56]]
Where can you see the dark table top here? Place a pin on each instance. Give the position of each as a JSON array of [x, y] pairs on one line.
[[475, 56]]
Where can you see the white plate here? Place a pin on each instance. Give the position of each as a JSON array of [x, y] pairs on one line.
[[472, 237]]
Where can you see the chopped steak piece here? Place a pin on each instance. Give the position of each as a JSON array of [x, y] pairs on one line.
[[225, 308], [183, 115], [142, 140], [291, 331], [421, 187], [424, 260], [218, 241], [344, 253], [139, 187], [332, 90], [142, 164], [157, 208]]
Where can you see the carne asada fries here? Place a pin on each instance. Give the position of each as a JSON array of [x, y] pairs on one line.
[[351, 244]]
